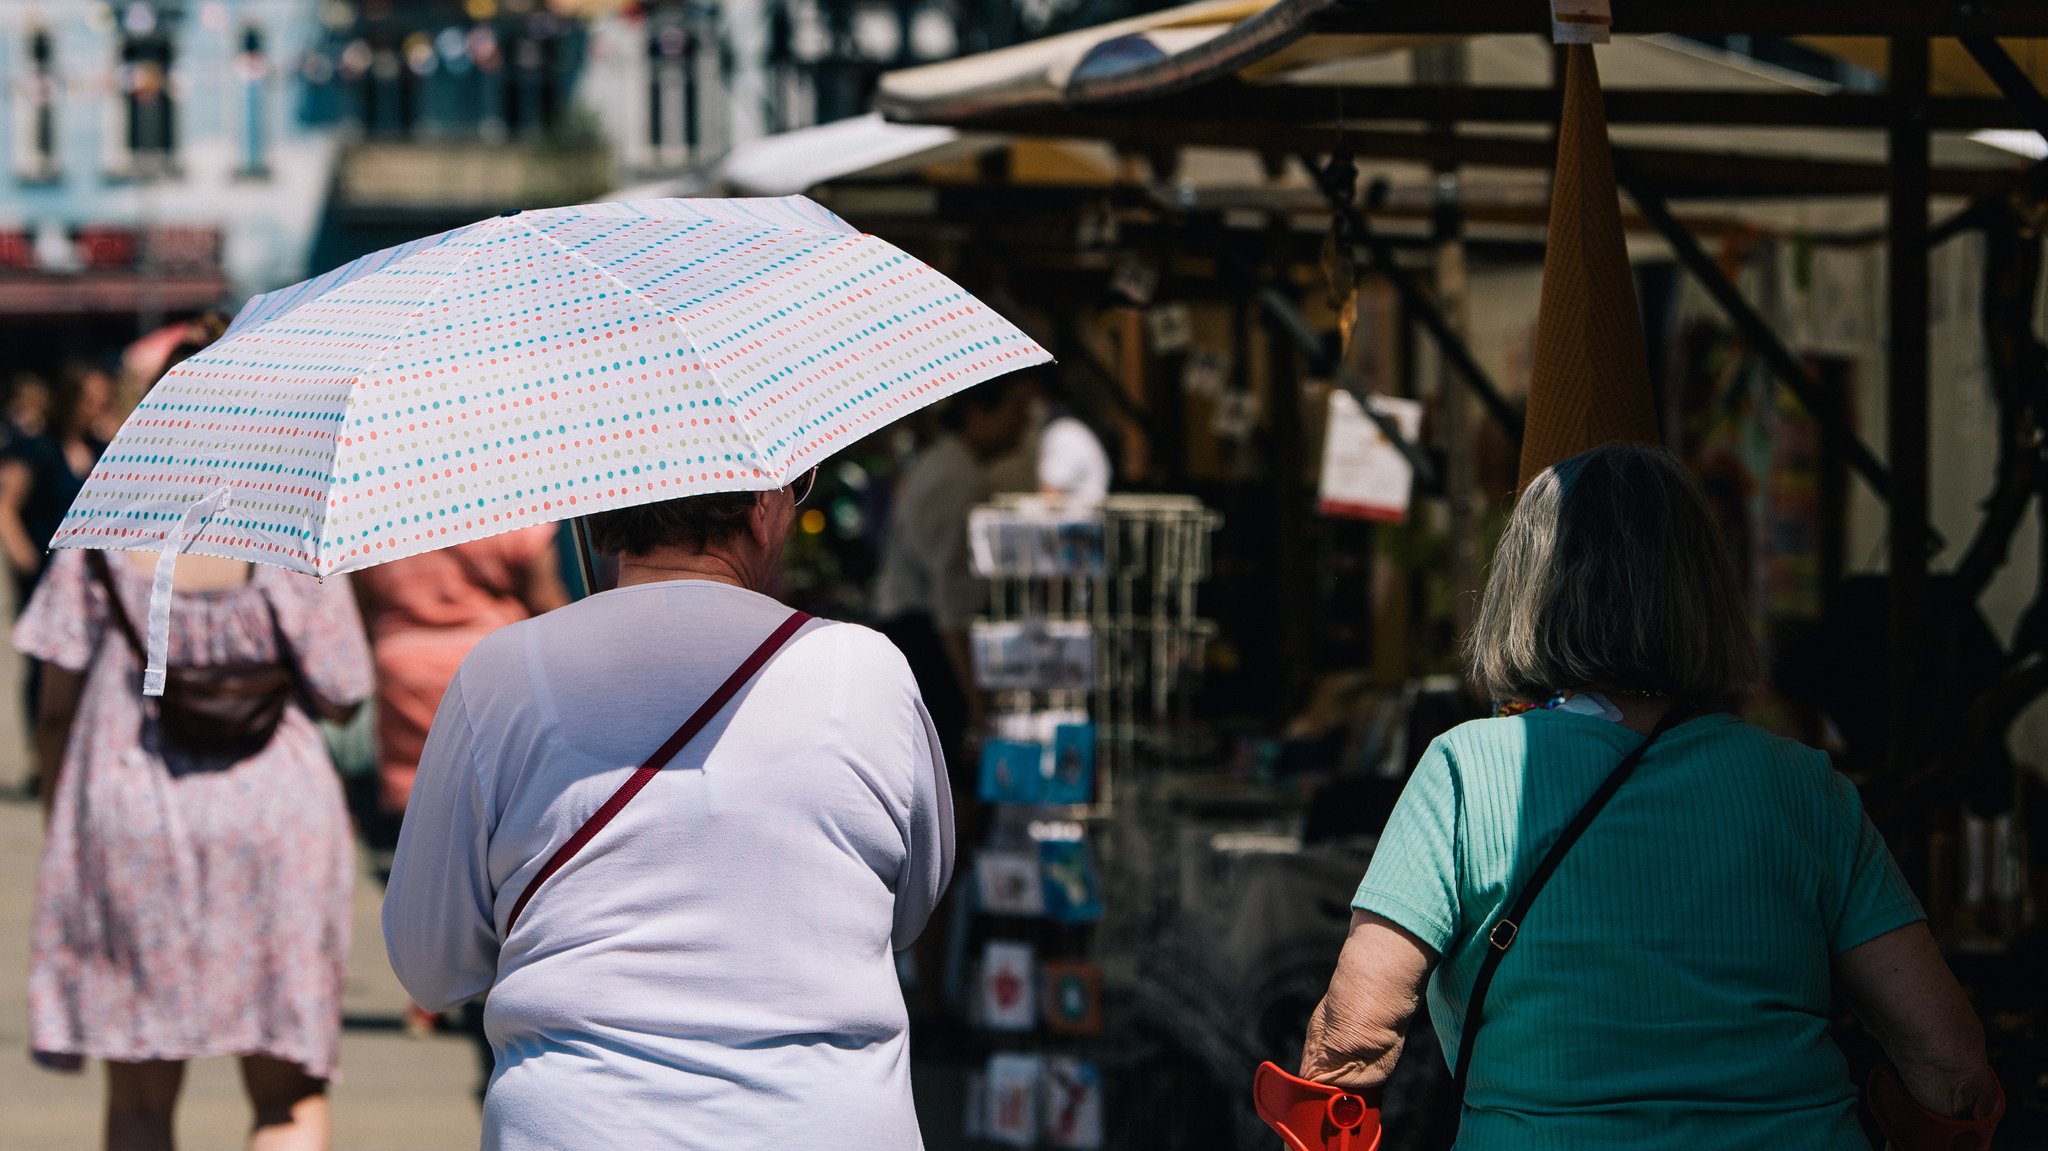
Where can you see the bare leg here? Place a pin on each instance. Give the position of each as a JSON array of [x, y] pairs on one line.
[[291, 1106], [141, 1098]]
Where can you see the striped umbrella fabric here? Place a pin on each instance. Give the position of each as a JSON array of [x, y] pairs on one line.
[[532, 367]]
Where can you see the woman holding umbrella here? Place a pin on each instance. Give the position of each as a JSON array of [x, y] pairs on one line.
[[712, 967], [707, 964]]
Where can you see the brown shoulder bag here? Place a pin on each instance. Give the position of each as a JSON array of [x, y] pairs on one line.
[[232, 710]]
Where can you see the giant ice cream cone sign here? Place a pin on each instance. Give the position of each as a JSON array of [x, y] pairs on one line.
[[1590, 382]]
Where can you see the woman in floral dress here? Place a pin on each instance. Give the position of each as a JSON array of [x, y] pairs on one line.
[[191, 905]]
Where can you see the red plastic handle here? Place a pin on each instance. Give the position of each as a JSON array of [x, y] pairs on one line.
[[1313, 1116]]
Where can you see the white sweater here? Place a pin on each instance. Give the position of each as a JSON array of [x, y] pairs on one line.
[[714, 969]]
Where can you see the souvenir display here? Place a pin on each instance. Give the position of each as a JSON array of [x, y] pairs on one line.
[[1073, 887], [1072, 779], [1034, 539], [974, 1111], [1073, 1103], [1041, 726], [1009, 1000], [1011, 1116], [1012, 772], [1008, 883], [1033, 655], [1073, 997]]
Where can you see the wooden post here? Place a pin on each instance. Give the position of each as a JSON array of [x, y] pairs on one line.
[[1906, 396], [1290, 500]]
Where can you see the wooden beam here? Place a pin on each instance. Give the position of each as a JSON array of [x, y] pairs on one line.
[[1311, 104], [1703, 17], [1906, 401], [1678, 173], [2005, 72]]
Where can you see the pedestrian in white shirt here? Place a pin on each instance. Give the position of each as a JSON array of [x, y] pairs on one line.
[[1073, 466], [712, 967], [926, 594]]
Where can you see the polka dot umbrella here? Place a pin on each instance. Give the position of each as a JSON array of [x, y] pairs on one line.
[[529, 368]]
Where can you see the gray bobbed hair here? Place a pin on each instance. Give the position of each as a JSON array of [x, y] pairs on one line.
[[1612, 573]]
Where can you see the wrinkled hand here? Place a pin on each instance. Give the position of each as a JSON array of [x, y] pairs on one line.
[[1325, 1060]]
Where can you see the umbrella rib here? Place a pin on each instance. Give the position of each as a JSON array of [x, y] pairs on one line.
[[238, 331], [664, 313], [377, 361]]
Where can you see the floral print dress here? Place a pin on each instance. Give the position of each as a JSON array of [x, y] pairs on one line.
[[192, 905]]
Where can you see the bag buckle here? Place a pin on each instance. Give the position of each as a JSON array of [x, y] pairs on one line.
[[1503, 934]]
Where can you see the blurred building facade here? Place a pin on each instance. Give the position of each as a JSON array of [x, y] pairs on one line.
[[163, 156], [155, 164]]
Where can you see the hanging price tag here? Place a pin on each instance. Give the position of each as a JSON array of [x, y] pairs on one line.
[[1580, 21], [1364, 475]]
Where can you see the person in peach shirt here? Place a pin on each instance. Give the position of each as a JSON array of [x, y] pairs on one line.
[[424, 613]]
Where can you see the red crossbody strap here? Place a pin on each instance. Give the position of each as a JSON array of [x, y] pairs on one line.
[[667, 751]]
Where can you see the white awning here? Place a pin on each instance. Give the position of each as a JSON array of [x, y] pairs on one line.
[[792, 163]]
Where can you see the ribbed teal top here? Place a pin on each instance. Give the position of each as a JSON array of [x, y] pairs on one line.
[[1671, 986]]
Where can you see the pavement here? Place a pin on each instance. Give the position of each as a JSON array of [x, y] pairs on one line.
[[396, 1093]]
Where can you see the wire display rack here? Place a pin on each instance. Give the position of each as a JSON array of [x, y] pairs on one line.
[[1129, 571]]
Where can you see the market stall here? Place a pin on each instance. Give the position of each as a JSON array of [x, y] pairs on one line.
[[1289, 258]]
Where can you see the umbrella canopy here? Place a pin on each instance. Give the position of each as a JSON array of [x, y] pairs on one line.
[[537, 366], [526, 369]]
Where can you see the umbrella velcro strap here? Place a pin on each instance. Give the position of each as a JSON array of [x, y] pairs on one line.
[[158, 653], [704, 714]]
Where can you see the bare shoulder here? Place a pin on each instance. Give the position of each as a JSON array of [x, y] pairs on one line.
[[195, 572]]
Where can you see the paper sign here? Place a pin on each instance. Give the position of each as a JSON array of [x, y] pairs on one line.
[[1236, 415], [1364, 475], [1580, 21], [1135, 279], [1206, 373], [1170, 327]]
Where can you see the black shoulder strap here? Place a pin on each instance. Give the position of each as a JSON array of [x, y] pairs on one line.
[[1501, 935], [97, 561]]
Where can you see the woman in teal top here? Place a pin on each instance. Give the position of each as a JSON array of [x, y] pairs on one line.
[[1671, 987]]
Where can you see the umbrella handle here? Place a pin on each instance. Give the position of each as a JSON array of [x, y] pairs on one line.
[[586, 556]]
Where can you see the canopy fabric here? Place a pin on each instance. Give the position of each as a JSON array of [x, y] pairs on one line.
[[1037, 73], [1283, 42], [1589, 383], [790, 163]]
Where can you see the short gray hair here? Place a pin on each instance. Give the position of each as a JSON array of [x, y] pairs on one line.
[[692, 523], [1613, 573]]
